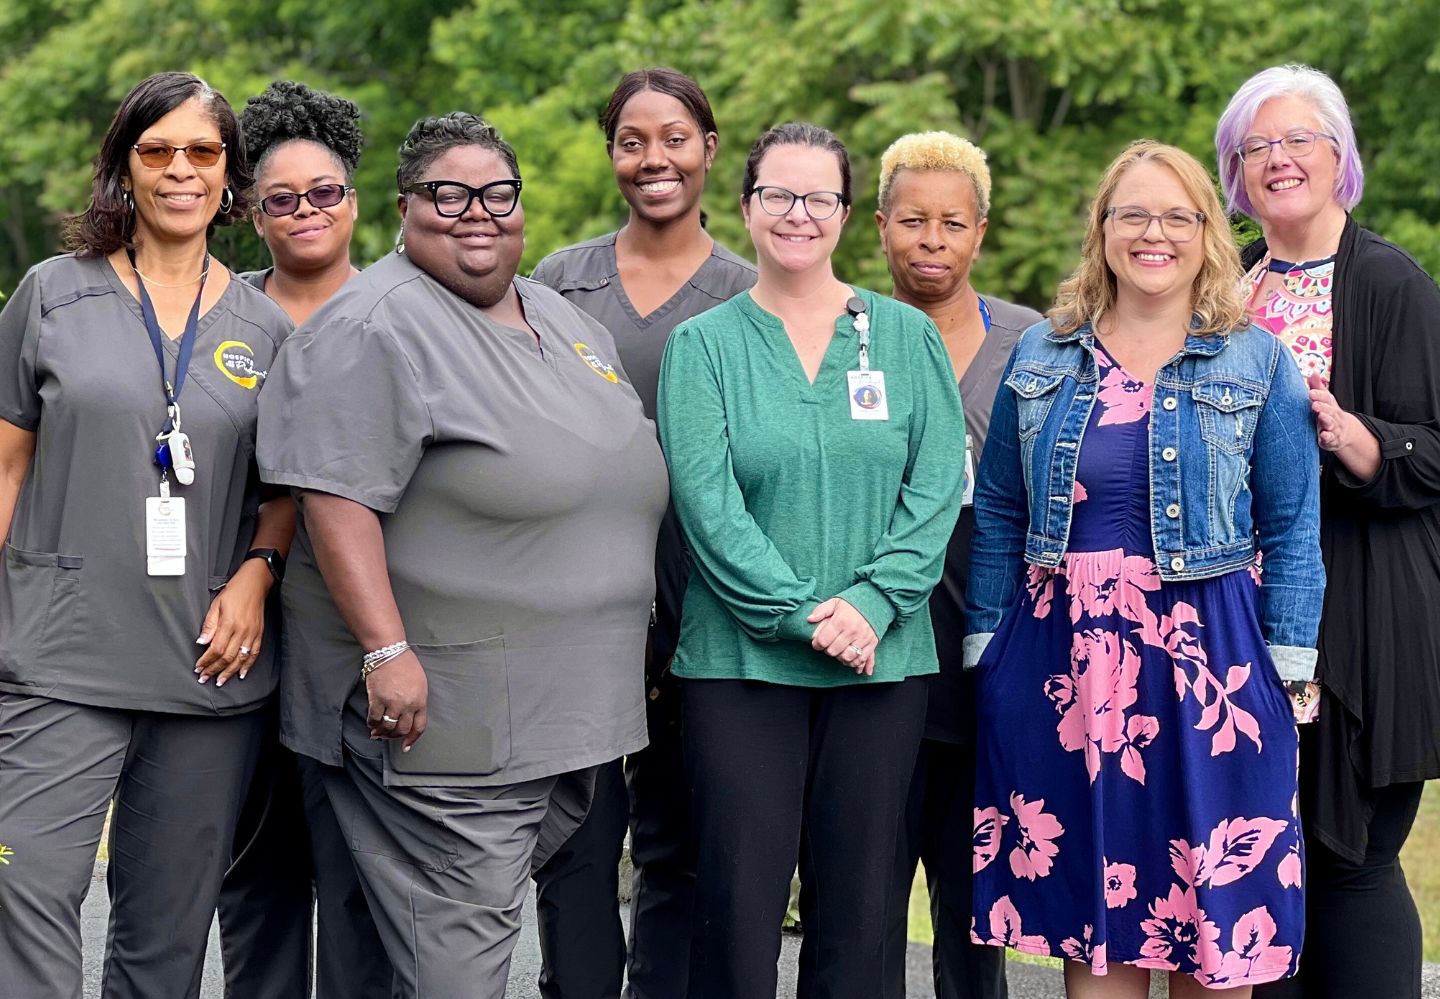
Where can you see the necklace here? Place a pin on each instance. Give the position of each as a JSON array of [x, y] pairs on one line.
[[160, 284], [1286, 266]]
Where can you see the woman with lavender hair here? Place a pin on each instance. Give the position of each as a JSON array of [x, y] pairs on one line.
[[1362, 320]]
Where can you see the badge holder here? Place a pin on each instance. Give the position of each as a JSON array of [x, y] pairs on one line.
[[165, 538], [866, 388]]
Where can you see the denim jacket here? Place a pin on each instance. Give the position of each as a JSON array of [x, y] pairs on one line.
[[1233, 464]]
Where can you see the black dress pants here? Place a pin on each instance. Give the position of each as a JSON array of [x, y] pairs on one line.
[[1362, 930], [768, 765], [938, 828]]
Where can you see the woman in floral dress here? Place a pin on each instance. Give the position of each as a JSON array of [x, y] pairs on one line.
[[1135, 803]]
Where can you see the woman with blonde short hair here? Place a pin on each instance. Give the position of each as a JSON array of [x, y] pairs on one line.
[[934, 209], [1144, 439]]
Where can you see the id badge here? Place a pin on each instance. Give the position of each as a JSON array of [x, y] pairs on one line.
[[165, 546], [968, 498], [867, 395]]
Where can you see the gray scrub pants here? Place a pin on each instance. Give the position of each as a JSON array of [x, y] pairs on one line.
[[446, 869], [178, 782]]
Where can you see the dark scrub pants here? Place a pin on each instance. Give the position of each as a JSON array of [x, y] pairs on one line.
[[581, 937], [177, 782]]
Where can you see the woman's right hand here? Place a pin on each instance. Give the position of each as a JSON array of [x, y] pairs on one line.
[[398, 694]]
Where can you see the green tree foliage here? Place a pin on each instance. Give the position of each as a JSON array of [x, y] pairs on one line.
[[1052, 89]]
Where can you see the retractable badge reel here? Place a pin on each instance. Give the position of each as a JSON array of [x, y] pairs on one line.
[[866, 387]]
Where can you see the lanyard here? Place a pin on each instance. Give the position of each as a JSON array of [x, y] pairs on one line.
[[860, 319], [984, 312], [187, 339]]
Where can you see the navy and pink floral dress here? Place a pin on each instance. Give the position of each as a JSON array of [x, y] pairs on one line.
[[1135, 798]]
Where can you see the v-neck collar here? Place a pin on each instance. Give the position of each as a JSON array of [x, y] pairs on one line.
[[171, 344], [612, 263], [832, 364]]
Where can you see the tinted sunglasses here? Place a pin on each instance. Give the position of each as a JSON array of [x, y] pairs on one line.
[[159, 154], [288, 202]]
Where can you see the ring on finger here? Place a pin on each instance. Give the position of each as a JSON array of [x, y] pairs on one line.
[[245, 651], [857, 650], [389, 721]]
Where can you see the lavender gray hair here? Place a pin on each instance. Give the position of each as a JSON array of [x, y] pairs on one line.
[[1309, 85]]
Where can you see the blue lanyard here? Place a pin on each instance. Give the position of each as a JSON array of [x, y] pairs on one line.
[[187, 338], [984, 312]]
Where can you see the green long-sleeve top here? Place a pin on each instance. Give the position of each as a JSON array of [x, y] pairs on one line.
[[787, 501]]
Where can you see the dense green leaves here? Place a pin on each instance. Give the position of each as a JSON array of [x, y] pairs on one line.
[[1051, 88]]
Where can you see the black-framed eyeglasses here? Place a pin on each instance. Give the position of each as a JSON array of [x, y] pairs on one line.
[[288, 202], [1131, 221], [1297, 145], [452, 198], [819, 205], [158, 155]]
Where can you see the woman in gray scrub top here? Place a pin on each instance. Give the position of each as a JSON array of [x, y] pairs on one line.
[[125, 564], [660, 269], [467, 603], [934, 207], [290, 856]]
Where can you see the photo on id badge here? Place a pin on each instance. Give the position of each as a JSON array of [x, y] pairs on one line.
[[867, 395]]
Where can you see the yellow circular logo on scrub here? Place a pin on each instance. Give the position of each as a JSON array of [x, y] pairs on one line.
[[606, 371], [236, 362]]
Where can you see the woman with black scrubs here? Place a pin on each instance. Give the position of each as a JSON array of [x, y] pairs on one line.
[[658, 270], [303, 147], [134, 653]]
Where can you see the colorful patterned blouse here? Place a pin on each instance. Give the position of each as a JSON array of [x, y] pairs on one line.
[[1298, 312]]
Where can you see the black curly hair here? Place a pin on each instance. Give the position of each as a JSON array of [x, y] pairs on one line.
[[288, 110]]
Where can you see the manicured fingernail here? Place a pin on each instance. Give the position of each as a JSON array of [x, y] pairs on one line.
[[220, 682], [244, 673], [197, 669], [202, 679], [204, 639], [405, 749]]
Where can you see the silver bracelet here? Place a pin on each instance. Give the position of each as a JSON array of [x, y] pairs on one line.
[[376, 658]]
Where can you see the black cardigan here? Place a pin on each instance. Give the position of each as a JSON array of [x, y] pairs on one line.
[[1380, 633]]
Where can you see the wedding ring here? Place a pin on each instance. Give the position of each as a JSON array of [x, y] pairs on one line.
[[244, 650], [857, 650], [389, 721]]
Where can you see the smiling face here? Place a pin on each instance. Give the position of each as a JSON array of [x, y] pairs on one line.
[[1288, 192], [931, 235], [312, 238], [475, 255], [1151, 265], [176, 202], [660, 157], [794, 242]]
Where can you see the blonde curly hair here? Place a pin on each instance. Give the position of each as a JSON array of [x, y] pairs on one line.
[[936, 151], [1217, 299]]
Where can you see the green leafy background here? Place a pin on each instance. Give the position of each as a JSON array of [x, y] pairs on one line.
[[1051, 88]]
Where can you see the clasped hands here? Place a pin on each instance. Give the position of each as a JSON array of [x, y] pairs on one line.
[[844, 634]]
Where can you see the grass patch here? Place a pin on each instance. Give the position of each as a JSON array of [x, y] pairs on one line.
[[1421, 859]]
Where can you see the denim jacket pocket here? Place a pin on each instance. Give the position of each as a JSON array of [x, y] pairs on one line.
[[1034, 393], [1228, 411]]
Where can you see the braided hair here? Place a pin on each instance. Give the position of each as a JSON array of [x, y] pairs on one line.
[[288, 110]]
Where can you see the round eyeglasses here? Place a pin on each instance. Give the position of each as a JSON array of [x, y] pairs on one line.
[[158, 155], [1131, 222], [452, 198], [288, 202], [1296, 145], [819, 205]]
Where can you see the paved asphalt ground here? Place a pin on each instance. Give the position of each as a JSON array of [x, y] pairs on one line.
[[1026, 981]]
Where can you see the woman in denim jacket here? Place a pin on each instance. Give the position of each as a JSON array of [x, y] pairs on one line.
[[1144, 443]]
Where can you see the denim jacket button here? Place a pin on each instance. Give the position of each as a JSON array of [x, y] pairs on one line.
[[1168, 454], [1169, 402], [1177, 563], [1173, 510]]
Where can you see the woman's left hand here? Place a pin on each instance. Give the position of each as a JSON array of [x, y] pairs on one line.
[[235, 624], [1337, 428], [844, 634]]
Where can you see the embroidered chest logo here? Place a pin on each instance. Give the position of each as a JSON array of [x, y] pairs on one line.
[[606, 371], [236, 362]]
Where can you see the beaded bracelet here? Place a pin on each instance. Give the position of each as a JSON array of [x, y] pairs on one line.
[[379, 657]]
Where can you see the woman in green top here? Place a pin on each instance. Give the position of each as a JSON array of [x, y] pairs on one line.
[[812, 432]]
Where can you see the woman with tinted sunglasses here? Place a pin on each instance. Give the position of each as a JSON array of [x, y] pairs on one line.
[[658, 270], [303, 146], [134, 653]]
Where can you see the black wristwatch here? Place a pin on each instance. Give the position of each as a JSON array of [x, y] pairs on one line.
[[274, 561]]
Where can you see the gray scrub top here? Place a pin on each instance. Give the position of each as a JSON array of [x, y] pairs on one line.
[[589, 277], [519, 488], [255, 279], [80, 618]]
